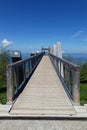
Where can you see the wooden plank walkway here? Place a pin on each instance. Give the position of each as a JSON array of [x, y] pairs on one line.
[[43, 94]]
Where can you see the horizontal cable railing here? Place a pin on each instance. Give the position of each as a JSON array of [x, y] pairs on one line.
[[69, 74], [18, 74]]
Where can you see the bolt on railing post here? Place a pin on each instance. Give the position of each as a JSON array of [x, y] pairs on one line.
[[76, 86], [10, 84]]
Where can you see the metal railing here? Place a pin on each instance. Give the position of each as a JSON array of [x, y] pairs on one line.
[[69, 74], [18, 74]]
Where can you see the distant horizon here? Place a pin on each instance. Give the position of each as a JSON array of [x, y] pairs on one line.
[[34, 50], [74, 53]]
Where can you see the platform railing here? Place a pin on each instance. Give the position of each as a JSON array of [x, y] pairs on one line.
[[18, 74], [69, 74]]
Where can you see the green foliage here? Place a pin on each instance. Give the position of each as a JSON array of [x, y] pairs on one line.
[[4, 60], [3, 94], [83, 93], [83, 73], [83, 84]]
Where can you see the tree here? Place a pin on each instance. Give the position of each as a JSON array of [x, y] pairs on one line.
[[4, 60], [83, 73]]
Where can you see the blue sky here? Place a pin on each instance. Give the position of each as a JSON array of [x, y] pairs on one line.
[[30, 24]]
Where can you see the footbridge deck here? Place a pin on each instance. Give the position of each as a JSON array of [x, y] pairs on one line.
[[44, 94]]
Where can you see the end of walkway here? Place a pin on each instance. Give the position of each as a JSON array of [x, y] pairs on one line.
[[81, 114]]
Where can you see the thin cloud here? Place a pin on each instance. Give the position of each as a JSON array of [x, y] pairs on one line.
[[77, 34], [6, 43]]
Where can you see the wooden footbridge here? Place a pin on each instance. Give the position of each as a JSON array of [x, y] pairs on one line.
[[50, 86]]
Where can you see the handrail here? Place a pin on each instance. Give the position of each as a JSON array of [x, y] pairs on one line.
[[69, 74], [18, 74]]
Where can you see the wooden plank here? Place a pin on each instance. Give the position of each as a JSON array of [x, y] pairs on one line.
[[43, 94]]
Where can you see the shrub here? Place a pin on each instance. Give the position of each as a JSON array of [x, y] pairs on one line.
[[83, 73]]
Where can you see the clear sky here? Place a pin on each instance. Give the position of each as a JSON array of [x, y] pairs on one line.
[[30, 24]]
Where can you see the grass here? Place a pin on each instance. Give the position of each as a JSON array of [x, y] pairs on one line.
[[83, 93], [3, 94]]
